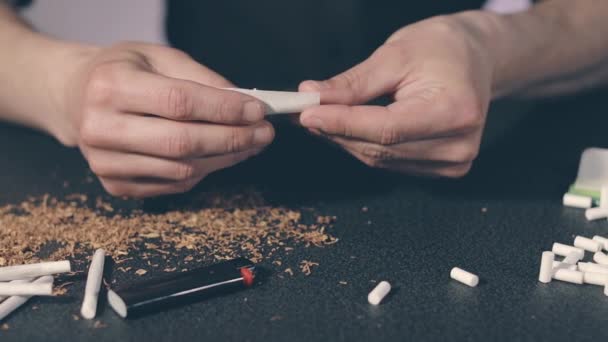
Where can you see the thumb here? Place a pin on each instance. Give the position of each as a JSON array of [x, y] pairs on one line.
[[366, 81]]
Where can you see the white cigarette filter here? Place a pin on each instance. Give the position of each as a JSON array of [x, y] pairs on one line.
[[587, 244], [379, 292], [600, 258], [606, 290], [595, 278], [464, 277], [604, 197], [546, 267], [577, 201], [26, 289], [593, 214], [591, 267], [601, 240], [34, 270], [14, 302], [572, 258], [569, 276], [283, 102], [558, 264], [94, 278], [564, 250]]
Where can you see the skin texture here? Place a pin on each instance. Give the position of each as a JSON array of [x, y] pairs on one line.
[[151, 121], [440, 83]]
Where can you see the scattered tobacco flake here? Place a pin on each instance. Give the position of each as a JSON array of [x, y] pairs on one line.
[[306, 266], [75, 317], [141, 272], [277, 262], [484, 210], [342, 282], [172, 269], [365, 209], [216, 225], [99, 325], [5, 327], [276, 318], [288, 271]]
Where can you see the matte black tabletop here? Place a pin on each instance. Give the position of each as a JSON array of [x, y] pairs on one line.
[[414, 232]]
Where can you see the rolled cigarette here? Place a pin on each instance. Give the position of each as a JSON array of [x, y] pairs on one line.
[[91, 293], [34, 270], [283, 102], [13, 303], [26, 289], [19, 281]]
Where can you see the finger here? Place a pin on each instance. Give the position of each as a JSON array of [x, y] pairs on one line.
[[172, 139], [423, 168], [146, 188], [112, 164], [402, 121], [376, 76], [139, 91], [459, 149]]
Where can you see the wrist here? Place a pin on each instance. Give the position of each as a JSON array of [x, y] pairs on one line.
[[37, 93]]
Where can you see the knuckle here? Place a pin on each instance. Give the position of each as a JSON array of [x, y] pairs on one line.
[[225, 110], [238, 139], [389, 134], [98, 167], [470, 115], [184, 172], [379, 153], [465, 153], [115, 189], [101, 86], [89, 131], [178, 104], [185, 186], [179, 145]]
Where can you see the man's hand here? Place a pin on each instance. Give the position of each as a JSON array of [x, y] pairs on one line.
[[440, 77], [151, 121]]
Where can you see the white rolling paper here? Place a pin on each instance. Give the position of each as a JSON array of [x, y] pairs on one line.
[[282, 102]]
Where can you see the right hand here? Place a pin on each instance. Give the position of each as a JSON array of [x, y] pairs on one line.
[[151, 121]]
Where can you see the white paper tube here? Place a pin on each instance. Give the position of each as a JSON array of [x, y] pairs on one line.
[[546, 267], [569, 276], [604, 197], [13, 303], [595, 278], [587, 244], [464, 277], [591, 267], [576, 201], [34, 270], [600, 258], [558, 264], [283, 102], [593, 214], [602, 240], [19, 281], [379, 292], [94, 278], [564, 250], [26, 289], [572, 258]]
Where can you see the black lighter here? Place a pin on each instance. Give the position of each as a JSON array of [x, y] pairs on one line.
[[176, 289]]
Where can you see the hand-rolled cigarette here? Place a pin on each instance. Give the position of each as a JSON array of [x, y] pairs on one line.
[[26, 289], [34, 270], [13, 303], [91, 292], [19, 281], [283, 102]]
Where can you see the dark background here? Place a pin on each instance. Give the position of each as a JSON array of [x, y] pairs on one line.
[[414, 232]]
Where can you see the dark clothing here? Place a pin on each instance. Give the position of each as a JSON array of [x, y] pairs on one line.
[[277, 43]]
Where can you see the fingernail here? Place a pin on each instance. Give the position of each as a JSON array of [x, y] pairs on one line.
[[312, 122], [262, 136], [253, 111]]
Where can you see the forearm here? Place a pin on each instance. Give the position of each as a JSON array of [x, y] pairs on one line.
[[32, 70], [557, 47]]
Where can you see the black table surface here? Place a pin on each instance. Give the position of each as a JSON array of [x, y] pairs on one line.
[[414, 232]]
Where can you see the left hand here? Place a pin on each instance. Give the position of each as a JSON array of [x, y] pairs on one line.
[[440, 77]]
